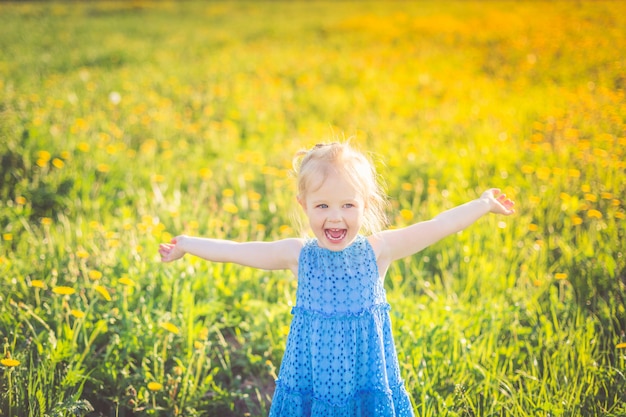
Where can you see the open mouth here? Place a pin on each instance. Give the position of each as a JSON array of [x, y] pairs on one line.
[[335, 235]]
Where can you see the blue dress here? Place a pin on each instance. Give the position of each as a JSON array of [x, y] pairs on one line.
[[340, 359]]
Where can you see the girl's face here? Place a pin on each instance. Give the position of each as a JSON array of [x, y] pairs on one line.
[[335, 211]]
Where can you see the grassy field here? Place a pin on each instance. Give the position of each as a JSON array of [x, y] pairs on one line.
[[124, 124]]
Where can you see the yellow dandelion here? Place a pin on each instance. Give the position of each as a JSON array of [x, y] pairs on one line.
[[58, 163], [198, 344], [126, 281], [228, 192], [155, 386], [63, 290], [533, 227], [103, 168], [586, 188], [7, 236], [606, 196], [594, 214], [527, 169], [285, 229], [620, 215], [205, 173], [44, 156], [95, 275], [543, 173], [406, 214], [46, 221], [406, 186], [170, 327], [621, 345], [576, 220], [565, 197], [103, 292], [37, 283], [230, 208], [254, 196], [83, 147], [82, 254], [615, 202], [560, 276], [9, 362], [573, 173], [20, 200], [77, 313], [158, 178], [591, 197]]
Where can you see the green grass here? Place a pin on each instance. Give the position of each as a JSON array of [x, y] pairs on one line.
[[125, 123]]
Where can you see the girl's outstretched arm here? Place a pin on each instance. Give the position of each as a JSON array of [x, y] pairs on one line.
[[280, 254], [399, 243]]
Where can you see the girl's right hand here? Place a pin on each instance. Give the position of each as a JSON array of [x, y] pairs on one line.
[[171, 251]]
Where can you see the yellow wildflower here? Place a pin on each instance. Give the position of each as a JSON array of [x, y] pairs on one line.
[[63, 290], [9, 362], [77, 313], [58, 163], [37, 283], [407, 215], [126, 281], [95, 275], [44, 155], [230, 208], [573, 173], [594, 214], [103, 168], [155, 386], [103, 292], [170, 327]]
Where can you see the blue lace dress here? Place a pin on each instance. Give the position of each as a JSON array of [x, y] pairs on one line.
[[340, 359]]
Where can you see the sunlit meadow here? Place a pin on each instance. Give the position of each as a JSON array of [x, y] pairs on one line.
[[124, 124]]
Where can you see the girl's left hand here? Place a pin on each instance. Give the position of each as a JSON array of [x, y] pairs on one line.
[[499, 202]]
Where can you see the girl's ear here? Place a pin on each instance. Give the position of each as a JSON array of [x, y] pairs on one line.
[[301, 202]]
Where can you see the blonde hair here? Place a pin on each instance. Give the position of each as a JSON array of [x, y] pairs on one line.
[[357, 168]]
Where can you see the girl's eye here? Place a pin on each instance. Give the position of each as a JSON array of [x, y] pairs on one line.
[[322, 206], [348, 205]]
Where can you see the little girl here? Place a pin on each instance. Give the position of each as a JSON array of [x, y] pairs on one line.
[[340, 358]]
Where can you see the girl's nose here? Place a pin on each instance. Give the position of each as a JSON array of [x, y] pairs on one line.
[[334, 216]]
